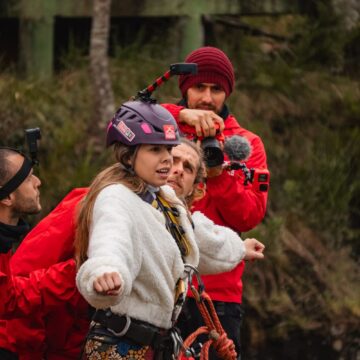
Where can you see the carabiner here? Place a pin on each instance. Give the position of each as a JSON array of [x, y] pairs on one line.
[[178, 343], [124, 330], [191, 271]]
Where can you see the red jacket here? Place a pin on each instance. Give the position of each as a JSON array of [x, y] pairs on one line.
[[22, 296], [4, 264], [58, 334], [229, 203]]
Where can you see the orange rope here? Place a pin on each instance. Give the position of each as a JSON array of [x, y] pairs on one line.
[[224, 347]]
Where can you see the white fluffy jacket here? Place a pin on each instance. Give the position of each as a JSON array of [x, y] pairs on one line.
[[129, 236]]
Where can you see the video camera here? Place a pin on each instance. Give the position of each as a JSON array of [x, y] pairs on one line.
[[213, 154], [32, 137], [212, 149], [238, 150]]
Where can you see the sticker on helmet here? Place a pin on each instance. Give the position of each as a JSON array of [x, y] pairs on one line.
[[169, 131], [125, 131], [146, 128]]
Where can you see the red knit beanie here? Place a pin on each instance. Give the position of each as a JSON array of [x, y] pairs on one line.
[[214, 67]]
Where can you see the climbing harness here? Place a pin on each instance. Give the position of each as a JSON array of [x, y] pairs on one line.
[[224, 346]]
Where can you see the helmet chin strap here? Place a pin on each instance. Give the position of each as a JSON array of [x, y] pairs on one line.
[[130, 167], [133, 159], [127, 168]]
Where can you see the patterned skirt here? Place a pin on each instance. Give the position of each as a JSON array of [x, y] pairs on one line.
[[102, 345], [96, 350]]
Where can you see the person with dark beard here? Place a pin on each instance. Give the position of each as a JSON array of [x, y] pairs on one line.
[[229, 201], [19, 295], [19, 195]]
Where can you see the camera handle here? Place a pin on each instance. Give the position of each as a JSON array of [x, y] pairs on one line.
[[236, 165], [259, 178]]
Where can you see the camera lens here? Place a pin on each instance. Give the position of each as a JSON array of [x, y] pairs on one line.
[[212, 152]]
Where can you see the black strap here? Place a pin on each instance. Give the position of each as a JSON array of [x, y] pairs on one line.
[[138, 331], [17, 179]]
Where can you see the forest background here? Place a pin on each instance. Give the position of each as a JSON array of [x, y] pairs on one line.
[[297, 86]]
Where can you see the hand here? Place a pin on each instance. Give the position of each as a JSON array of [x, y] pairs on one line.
[[253, 249], [214, 171], [203, 120], [108, 284]]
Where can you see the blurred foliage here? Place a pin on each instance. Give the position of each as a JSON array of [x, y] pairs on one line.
[[302, 96]]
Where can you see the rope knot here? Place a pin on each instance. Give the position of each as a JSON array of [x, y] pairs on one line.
[[214, 335], [225, 347]]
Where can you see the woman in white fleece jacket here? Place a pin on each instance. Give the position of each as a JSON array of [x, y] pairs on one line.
[[131, 256]]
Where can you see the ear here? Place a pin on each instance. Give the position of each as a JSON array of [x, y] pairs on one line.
[[8, 201], [128, 161]]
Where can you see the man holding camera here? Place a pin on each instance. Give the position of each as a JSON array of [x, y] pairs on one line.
[[202, 113]]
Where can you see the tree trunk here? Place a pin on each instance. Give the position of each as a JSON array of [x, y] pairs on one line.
[[99, 64]]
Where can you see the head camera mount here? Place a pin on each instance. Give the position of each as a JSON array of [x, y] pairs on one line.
[[175, 69]]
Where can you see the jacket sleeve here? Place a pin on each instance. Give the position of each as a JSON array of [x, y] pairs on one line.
[[49, 243], [4, 271], [240, 206], [221, 249], [184, 129], [174, 110], [52, 240], [111, 248], [44, 288]]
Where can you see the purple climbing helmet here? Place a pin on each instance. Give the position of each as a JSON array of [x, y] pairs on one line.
[[138, 122]]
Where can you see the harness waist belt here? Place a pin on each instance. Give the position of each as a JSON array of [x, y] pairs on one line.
[[135, 330]]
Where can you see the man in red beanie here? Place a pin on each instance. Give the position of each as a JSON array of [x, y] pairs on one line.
[[228, 201]]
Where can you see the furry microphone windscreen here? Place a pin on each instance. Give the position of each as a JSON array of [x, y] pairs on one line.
[[237, 148]]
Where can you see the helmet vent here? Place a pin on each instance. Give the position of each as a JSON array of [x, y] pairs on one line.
[[123, 113]]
